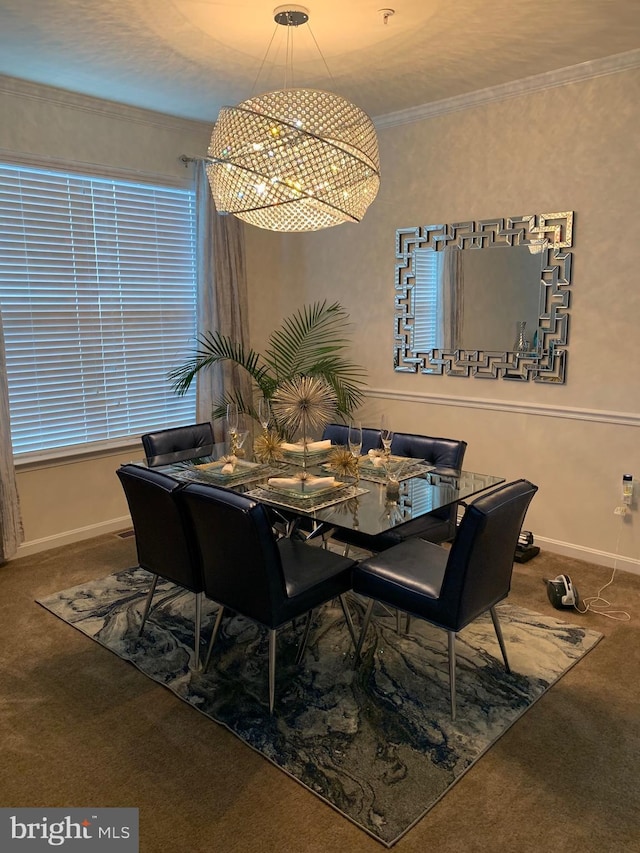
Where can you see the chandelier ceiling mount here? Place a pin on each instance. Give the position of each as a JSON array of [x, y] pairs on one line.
[[290, 16]]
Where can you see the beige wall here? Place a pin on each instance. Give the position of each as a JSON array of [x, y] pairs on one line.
[[63, 501], [573, 147], [47, 123]]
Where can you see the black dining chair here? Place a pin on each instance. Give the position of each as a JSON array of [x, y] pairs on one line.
[[436, 526], [339, 434], [246, 570], [451, 587], [178, 444], [163, 542]]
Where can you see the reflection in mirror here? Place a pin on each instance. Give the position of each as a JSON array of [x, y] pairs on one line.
[[487, 313]]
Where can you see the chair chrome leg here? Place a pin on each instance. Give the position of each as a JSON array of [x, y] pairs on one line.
[[196, 633], [147, 603], [498, 628], [214, 634], [305, 637], [348, 619], [319, 529], [345, 550], [452, 671], [407, 624], [363, 630], [272, 669]]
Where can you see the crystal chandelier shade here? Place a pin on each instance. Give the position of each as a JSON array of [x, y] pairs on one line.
[[294, 159]]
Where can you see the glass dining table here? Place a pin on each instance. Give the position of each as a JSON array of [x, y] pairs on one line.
[[306, 488]]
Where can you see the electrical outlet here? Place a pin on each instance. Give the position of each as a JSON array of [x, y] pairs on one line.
[[627, 489]]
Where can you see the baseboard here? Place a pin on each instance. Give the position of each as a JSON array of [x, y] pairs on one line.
[[577, 552], [68, 537], [589, 555]]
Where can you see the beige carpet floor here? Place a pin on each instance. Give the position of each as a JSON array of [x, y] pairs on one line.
[[79, 728]]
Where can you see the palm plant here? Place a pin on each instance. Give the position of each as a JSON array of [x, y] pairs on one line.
[[311, 342]]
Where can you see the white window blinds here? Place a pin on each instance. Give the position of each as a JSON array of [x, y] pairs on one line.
[[98, 300], [426, 299]]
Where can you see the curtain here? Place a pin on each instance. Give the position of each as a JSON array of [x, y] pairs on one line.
[[222, 298], [452, 280], [11, 533]]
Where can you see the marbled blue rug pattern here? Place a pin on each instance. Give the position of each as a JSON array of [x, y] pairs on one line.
[[377, 743]]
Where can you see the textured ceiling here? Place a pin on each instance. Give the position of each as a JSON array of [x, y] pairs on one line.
[[189, 57]]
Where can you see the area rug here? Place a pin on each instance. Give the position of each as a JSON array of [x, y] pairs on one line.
[[377, 743]]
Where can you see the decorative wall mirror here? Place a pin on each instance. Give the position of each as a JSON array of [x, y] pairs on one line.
[[488, 299]]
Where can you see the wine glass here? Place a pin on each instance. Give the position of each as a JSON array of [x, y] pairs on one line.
[[395, 469], [241, 436], [264, 412], [355, 438], [232, 417], [232, 424], [386, 434]]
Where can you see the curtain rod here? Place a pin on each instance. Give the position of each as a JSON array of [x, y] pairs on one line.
[[188, 158]]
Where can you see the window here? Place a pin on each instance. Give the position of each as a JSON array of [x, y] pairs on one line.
[[98, 300], [427, 272]]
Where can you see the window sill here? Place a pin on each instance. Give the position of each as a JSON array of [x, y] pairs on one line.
[[77, 453]]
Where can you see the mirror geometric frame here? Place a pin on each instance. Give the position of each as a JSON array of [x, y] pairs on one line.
[[554, 233]]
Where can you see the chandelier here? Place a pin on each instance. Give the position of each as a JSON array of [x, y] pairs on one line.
[[294, 159]]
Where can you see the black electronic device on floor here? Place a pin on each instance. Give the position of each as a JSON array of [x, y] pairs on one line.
[[525, 549], [561, 592]]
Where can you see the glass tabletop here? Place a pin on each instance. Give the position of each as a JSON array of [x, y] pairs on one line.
[[373, 512], [357, 505]]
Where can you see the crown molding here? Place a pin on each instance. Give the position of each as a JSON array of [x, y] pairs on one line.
[[85, 103], [527, 85]]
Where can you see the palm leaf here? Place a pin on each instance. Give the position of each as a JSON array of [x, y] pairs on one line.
[[219, 409], [345, 379], [213, 348], [313, 341], [311, 336]]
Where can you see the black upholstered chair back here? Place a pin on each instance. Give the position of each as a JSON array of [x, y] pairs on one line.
[[241, 563], [339, 434], [178, 444], [480, 563], [450, 589], [246, 570], [163, 545], [442, 452]]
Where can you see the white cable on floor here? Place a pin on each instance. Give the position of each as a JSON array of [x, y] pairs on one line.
[[590, 601]]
